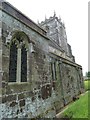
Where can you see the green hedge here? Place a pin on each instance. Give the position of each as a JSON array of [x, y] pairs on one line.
[[87, 84]]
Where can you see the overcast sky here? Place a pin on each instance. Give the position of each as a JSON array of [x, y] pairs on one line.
[[74, 13]]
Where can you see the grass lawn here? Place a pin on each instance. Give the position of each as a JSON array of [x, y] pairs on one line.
[[78, 109]]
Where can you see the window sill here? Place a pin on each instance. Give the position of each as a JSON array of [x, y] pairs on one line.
[[17, 83], [20, 87]]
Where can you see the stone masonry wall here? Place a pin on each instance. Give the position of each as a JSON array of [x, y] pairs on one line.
[[26, 99], [40, 96]]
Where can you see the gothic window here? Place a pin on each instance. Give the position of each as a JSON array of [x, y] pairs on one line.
[[23, 64], [53, 70], [18, 57], [13, 63]]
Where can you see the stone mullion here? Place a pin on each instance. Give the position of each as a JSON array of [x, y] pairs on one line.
[[19, 65], [53, 70], [28, 72]]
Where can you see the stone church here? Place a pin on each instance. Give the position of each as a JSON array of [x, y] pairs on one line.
[[38, 72]]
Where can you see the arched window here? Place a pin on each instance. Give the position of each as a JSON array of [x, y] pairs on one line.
[[13, 63], [18, 57], [23, 64]]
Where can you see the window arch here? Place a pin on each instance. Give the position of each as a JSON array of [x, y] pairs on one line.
[[18, 57]]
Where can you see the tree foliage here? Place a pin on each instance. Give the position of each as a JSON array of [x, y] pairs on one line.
[[88, 74]]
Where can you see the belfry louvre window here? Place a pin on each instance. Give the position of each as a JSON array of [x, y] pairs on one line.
[[18, 58]]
